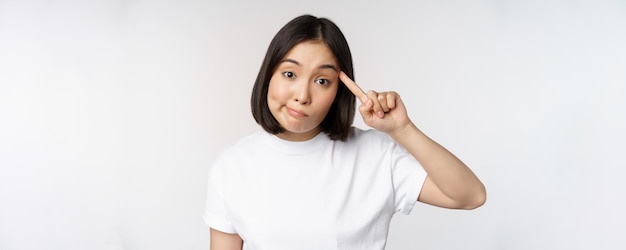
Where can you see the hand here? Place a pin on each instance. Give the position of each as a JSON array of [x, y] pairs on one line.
[[383, 111]]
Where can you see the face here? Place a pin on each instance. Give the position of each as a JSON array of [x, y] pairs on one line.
[[302, 89]]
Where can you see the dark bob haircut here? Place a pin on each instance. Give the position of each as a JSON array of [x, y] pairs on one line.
[[338, 122]]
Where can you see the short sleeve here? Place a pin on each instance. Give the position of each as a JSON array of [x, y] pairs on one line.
[[216, 215], [408, 177]]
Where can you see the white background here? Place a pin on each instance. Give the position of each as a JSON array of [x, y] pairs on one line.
[[111, 113]]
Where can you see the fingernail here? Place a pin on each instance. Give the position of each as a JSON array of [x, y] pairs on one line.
[[381, 114]]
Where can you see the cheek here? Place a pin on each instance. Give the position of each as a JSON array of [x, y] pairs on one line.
[[274, 91], [330, 98]]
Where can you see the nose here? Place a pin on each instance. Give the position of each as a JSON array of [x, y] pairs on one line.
[[302, 94]]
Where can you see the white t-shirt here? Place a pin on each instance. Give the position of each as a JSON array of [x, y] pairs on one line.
[[316, 194]]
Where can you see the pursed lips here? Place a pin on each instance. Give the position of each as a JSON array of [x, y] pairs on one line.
[[295, 113]]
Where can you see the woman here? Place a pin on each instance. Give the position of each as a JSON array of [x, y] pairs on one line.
[[310, 180]]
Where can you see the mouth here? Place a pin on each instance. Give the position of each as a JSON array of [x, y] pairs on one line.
[[296, 113]]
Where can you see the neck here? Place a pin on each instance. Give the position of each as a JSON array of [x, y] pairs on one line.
[[292, 136]]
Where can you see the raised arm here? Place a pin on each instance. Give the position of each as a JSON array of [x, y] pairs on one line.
[[450, 183]]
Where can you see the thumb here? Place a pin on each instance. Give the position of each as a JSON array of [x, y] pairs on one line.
[[366, 109]]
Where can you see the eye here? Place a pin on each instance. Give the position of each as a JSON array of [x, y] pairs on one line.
[[322, 81], [289, 74]]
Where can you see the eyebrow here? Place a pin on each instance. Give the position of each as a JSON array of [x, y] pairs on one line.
[[323, 66]]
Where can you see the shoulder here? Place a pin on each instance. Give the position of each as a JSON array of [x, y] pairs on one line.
[[245, 144], [370, 140], [240, 150], [370, 136]]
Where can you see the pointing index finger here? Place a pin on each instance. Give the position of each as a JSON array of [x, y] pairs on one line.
[[353, 87]]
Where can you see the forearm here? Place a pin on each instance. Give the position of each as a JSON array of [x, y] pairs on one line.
[[224, 241], [447, 172]]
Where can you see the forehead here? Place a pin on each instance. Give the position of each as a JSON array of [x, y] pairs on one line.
[[311, 53]]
